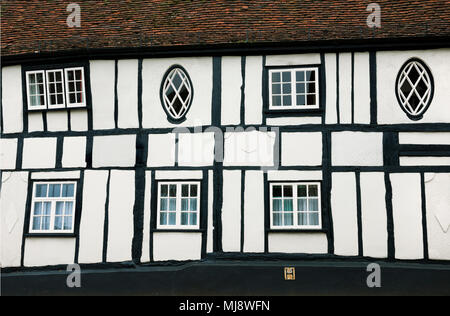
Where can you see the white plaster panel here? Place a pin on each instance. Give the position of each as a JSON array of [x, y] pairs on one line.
[[389, 64], [210, 235], [254, 212], [253, 90], [424, 161], [231, 211], [177, 246], [49, 251], [196, 149], [39, 153], [200, 72], [13, 197], [344, 210], [55, 175], [57, 121], [12, 101], [35, 122], [8, 153], [330, 69], [294, 175], [437, 188], [147, 214], [301, 149], [74, 152], [249, 148], [120, 215], [407, 210], [293, 60], [231, 90], [362, 88], [127, 93], [102, 78], [428, 138], [114, 151], [161, 150], [78, 120], [307, 243], [357, 149], [293, 121], [178, 174], [345, 88], [374, 215], [93, 216]]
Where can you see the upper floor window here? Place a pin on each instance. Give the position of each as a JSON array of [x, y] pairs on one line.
[[176, 93], [296, 88], [415, 88], [56, 88], [178, 205], [53, 207], [295, 205]]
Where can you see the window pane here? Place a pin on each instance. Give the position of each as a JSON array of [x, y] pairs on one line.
[[47, 208], [311, 87], [313, 219], [172, 218], [41, 190], [311, 99], [313, 190], [184, 218], [313, 205], [164, 190], [276, 77], [68, 190], [40, 77], [288, 205], [302, 203], [276, 191], [300, 76], [303, 219], [31, 78], [288, 219], [78, 74], [194, 190], [54, 190], [72, 98], [287, 190], [173, 191], [287, 76], [287, 100], [184, 204], [310, 75], [69, 208], [163, 205], [58, 76], [58, 223], [276, 219], [70, 75], [301, 100], [287, 88], [300, 87], [276, 101], [45, 223], [60, 99], [277, 205], [185, 190], [276, 88], [37, 208], [59, 208], [68, 223], [52, 99], [172, 204], [193, 219], [193, 205], [301, 190], [163, 218], [37, 223]]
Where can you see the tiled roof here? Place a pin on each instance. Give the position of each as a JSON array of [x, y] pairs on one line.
[[34, 26]]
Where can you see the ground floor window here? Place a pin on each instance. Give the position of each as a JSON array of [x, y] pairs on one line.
[[178, 205], [295, 205], [53, 207]]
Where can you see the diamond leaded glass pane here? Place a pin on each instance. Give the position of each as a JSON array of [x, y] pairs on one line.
[[415, 88], [177, 93]]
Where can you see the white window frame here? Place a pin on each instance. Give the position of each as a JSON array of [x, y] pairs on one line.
[[178, 225], [53, 201], [75, 105], [294, 105], [55, 106], [295, 225], [41, 107]]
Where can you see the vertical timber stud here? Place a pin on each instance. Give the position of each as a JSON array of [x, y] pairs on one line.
[[326, 190], [139, 201], [373, 88]]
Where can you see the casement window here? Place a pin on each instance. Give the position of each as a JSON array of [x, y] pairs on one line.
[[295, 205], [293, 89], [178, 205], [53, 207], [56, 89]]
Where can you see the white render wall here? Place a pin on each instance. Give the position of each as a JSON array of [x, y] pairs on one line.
[[103, 86], [114, 151], [127, 93], [231, 211], [12, 102], [177, 246], [304, 243], [253, 212], [39, 153], [8, 153], [49, 251]]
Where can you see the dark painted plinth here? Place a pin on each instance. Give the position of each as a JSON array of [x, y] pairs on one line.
[[237, 278]]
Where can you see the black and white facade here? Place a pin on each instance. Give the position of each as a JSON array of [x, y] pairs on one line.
[[155, 160]]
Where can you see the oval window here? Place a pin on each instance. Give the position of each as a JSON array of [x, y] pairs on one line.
[[176, 93], [415, 88]]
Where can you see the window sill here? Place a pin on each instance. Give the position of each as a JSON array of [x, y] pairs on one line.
[[297, 230], [56, 110], [50, 235], [177, 230], [294, 112]]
